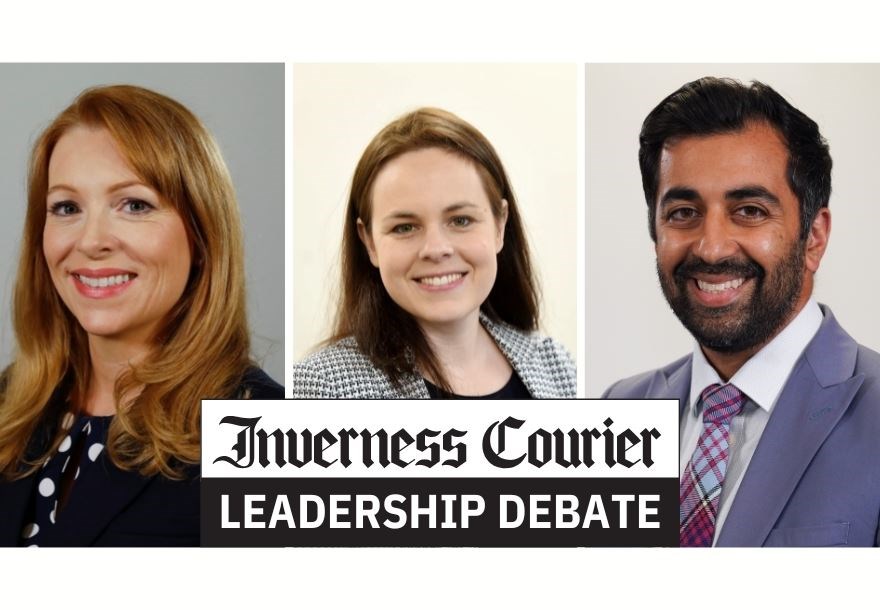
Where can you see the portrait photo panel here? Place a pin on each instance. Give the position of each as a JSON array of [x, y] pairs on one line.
[[242, 106], [630, 328], [527, 112]]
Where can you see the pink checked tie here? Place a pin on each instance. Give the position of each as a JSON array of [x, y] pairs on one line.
[[700, 488]]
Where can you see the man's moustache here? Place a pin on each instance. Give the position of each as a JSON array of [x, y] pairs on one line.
[[745, 268]]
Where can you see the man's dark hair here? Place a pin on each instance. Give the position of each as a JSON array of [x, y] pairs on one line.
[[710, 106]]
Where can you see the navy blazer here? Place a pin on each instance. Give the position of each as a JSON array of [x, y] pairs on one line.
[[122, 508], [814, 479]]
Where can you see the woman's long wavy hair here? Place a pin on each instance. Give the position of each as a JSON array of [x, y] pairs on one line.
[[202, 347], [387, 334]]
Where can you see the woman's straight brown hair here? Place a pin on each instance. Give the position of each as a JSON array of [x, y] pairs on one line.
[[387, 334]]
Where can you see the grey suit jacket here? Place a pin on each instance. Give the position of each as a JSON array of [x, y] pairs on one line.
[[341, 370], [814, 479]]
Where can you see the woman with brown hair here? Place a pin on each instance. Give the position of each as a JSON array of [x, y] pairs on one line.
[[437, 296], [129, 308]]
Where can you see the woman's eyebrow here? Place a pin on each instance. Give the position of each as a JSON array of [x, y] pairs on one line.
[[459, 205], [397, 214], [113, 188], [453, 207], [60, 187]]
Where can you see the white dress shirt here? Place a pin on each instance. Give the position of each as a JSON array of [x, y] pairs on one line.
[[761, 379]]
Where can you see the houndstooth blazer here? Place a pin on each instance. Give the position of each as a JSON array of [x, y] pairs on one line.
[[341, 370]]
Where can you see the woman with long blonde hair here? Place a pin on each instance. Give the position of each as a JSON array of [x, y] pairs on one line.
[[129, 308]]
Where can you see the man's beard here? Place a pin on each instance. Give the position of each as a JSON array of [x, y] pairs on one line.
[[740, 325]]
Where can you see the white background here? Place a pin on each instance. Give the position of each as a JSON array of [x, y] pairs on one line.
[[550, 30]]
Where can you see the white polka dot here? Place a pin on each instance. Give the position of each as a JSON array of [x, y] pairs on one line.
[[52, 517], [47, 487], [88, 427], [63, 468], [65, 444], [76, 476], [95, 451], [67, 422], [30, 530]]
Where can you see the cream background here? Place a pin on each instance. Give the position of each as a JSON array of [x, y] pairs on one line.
[[528, 112], [629, 327]]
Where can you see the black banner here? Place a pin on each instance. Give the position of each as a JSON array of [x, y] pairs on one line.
[[440, 512]]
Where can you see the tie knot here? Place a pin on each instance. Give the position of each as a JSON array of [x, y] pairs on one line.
[[721, 403]]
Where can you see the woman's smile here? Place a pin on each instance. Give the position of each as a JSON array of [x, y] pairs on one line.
[[101, 283], [445, 281]]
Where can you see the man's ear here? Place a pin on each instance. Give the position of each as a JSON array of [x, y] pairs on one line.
[[367, 240], [500, 225], [817, 240]]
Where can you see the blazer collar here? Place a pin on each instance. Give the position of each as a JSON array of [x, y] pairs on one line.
[[819, 391], [672, 381], [94, 501], [14, 497], [411, 386], [518, 347]]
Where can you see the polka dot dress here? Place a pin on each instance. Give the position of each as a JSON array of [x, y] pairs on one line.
[[80, 448]]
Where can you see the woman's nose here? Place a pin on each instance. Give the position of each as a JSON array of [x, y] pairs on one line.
[[96, 238], [436, 245]]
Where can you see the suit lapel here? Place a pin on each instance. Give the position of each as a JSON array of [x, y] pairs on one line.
[[817, 394], [411, 386], [95, 500], [677, 384], [517, 349], [14, 497]]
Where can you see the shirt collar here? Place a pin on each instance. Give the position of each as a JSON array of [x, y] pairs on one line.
[[763, 375]]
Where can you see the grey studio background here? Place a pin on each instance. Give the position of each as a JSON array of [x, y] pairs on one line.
[[243, 107], [630, 327]]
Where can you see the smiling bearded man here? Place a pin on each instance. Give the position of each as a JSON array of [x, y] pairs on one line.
[[780, 408]]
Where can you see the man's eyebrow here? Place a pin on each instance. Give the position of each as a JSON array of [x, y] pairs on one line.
[[679, 193], [751, 192]]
